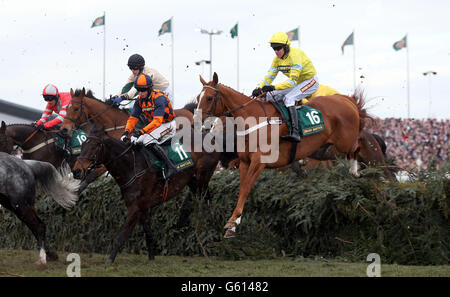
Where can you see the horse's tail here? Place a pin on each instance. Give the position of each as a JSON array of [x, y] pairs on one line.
[[61, 186], [359, 100]]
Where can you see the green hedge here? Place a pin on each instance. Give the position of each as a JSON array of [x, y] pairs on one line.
[[329, 214]]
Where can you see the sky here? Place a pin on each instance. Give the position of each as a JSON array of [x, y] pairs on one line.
[[47, 41]]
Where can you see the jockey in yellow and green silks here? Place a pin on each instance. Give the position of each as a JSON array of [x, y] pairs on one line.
[[301, 78]]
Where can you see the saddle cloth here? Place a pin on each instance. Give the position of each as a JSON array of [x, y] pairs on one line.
[[310, 119]]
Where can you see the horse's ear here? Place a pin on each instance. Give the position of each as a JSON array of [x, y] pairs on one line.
[[202, 80], [215, 78], [3, 128], [71, 92], [83, 92]]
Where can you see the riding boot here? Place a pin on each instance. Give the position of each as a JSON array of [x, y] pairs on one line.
[[294, 135], [170, 168]]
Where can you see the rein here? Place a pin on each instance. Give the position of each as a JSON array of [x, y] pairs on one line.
[[77, 121], [216, 98], [94, 160]]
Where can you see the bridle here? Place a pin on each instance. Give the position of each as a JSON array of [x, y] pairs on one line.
[[5, 136], [213, 109], [78, 123], [94, 159]]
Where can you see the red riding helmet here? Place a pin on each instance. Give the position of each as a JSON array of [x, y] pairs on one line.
[[50, 92]]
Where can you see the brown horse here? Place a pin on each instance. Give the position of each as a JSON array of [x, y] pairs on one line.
[[85, 108], [343, 119], [141, 183]]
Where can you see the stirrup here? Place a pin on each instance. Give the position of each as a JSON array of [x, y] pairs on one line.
[[292, 137]]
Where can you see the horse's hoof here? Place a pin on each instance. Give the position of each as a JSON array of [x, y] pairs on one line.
[[229, 234], [52, 256]]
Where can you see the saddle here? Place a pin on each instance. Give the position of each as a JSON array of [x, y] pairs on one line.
[[176, 153], [309, 119]]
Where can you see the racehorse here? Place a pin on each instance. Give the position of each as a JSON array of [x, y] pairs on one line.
[[343, 119], [18, 180], [141, 183], [39, 145], [84, 109]]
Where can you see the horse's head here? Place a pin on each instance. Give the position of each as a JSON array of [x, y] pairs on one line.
[[76, 112], [6, 144], [91, 153], [210, 101]]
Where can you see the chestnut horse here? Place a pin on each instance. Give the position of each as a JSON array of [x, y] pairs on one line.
[[343, 119]]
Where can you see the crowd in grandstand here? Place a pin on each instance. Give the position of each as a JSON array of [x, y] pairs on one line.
[[414, 143]]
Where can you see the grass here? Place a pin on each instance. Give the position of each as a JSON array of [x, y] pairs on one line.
[[21, 263]]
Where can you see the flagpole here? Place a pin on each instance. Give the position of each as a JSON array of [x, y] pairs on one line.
[[354, 62], [173, 65], [407, 73], [104, 52], [237, 24], [298, 35]]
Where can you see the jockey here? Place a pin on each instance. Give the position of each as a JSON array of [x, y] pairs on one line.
[[156, 107], [56, 102], [302, 80], [136, 63]]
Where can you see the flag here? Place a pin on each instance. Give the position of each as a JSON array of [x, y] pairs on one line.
[[234, 31], [400, 44], [100, 21], [166, 27], [293, 34], [348, 41]]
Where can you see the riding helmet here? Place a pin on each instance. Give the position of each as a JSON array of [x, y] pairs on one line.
[[50, 92], [136, 61], [143, 83]]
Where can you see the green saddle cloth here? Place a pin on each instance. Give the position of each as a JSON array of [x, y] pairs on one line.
[[310, 119], [176, 153], [77, 140]]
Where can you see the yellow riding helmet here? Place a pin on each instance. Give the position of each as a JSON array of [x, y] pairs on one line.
[[281, 38]]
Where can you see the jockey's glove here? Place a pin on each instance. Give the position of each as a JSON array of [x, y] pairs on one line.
[[116, 101], [268, 88], [256, 92], [40, 127], [138, 133], [124, 137]]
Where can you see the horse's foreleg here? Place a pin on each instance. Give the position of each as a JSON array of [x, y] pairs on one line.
[[145, 222], [248, 176], [127, 228], [28, 215], [353, 159]]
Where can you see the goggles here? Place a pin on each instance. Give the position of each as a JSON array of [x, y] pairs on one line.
[[49, 97]]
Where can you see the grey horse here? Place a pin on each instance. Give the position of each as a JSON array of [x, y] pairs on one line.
[[18, 181]]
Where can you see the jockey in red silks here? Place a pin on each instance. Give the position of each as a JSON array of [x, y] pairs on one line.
[[56, 102]]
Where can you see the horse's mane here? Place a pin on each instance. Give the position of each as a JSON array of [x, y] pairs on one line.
[[230, 88], [17, 124], [90, 95]]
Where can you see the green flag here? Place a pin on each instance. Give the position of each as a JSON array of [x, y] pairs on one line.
[[348, 41], [234, 31], [100, 21], [400, 44], [166, 27], [293, 34]]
